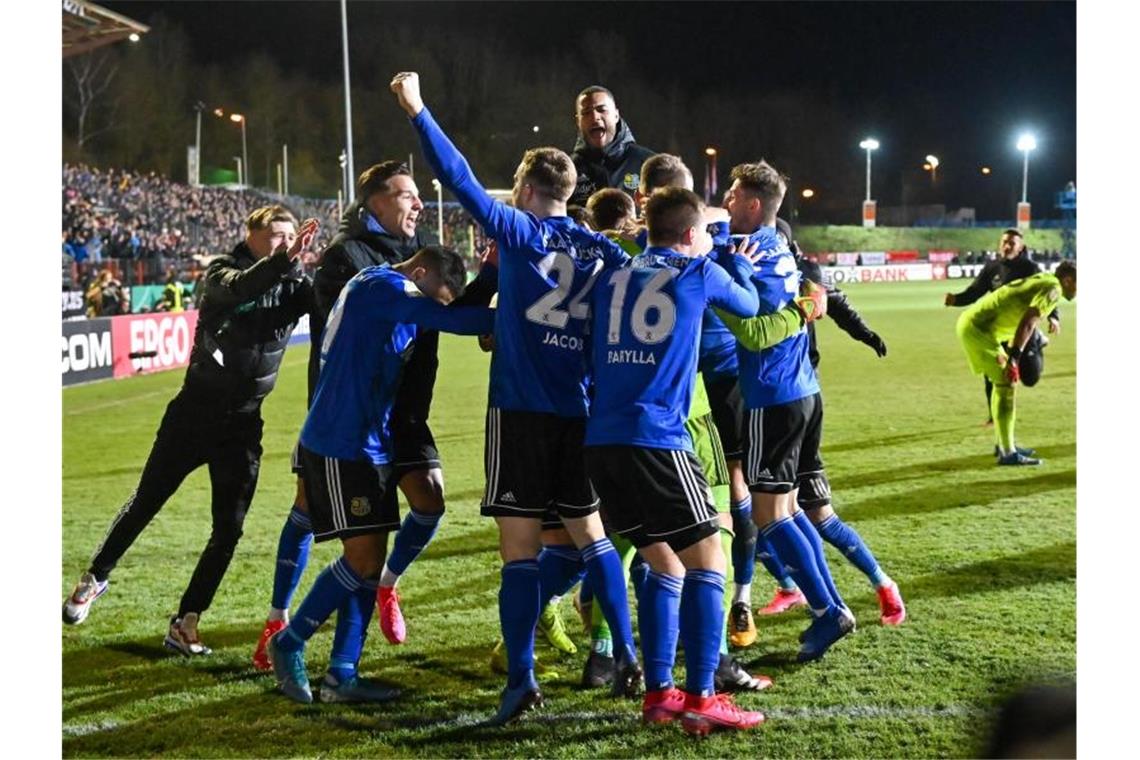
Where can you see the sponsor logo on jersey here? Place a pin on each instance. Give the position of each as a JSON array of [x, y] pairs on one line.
[[360, 506]]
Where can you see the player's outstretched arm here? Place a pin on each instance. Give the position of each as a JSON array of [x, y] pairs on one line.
[[458, 320], [452, 169], [849, 320], [764, 331]]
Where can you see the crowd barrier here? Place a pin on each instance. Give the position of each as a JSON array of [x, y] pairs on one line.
[[117, 347]]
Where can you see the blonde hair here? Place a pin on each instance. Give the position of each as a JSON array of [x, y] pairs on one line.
[[262, 217]]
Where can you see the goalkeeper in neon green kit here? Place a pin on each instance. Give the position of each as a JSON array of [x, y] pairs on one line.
[[1010, 313]]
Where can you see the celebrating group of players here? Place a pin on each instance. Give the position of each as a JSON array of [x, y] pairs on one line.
[[659, 410]]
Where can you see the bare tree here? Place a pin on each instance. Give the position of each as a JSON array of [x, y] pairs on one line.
[[91, 73]]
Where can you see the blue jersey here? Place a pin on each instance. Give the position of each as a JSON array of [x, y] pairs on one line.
[[547, 268], [369, 335], [783, 373], [646, 330], [717, 357]]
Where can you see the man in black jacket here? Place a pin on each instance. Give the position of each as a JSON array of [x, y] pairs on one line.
[[380, 228], [1015, 263], [253, 298], [605, 153]]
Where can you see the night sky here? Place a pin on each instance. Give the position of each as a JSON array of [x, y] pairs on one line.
[[959, 80]]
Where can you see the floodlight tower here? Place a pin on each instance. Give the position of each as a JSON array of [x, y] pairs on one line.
[[869, 145], [1025, 143]]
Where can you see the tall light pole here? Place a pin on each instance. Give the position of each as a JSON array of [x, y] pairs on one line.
[[1025, 143], [237, 117], [285, 165], [196, 180], [710, 173], [932, 163], [349, 193], [869, 144], [241, 170], [439, 205]]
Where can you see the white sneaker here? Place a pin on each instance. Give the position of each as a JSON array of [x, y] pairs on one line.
[[183, 636], [78, 605]]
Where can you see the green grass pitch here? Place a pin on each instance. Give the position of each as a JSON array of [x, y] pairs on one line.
[[985, 558]]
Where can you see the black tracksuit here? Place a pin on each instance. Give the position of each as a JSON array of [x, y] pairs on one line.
[[840, 311], [618, 165], [248, 310]]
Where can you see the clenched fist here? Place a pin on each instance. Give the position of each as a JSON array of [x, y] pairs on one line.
[[406, 86]]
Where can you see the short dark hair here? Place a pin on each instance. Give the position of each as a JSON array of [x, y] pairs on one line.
[[591, 90], [550, 170], [263, 216], [1066, 269], [762, 179], [663, 170], [609, 208], [1012, 231], [578, 214], [375, 178], [447, 264], [671, 211]]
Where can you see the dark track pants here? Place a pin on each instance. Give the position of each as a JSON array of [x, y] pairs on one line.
[[191, 436]]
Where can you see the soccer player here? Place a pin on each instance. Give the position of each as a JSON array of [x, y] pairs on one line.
[[813, 491], [348, 454], [781, 392], [1014, 263], [380, 228], [1010, 314], [646, 325], [253, 298], [538, 404]]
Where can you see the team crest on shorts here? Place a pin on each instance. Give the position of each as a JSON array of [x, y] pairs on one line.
[[360, 506]]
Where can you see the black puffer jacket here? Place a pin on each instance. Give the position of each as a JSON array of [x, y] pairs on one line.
[[998, 272], [248, 310], [618, 164]]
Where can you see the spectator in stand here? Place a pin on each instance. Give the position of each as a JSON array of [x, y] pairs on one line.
[[105, 296]]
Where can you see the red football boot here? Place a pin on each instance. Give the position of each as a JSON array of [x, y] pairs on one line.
[[391, 619], [891, 609], [260, 658], [663, 705], [703, 714], [783, 600]]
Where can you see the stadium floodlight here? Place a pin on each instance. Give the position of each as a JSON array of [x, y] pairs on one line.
[[710, 151], [237, 117], [931, 165], [986, 170], [869, 144], [535, 129], [808, 193], [439, 205], [1026, 143], [134, 37]]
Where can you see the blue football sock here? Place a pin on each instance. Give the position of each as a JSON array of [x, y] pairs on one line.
[[658, 619], [336, 583], [803, 522], [415, 533], [798, 560], [743, 542], [352, 619], [604, 568], [702, 618], [559, 568], [518, 615], [767, 556], [638, 573], [292, 556], [847, 540]]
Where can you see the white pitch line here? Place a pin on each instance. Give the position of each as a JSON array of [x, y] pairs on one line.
[[471, 720]]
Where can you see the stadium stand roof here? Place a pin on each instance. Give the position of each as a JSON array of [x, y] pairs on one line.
[[87, 26]]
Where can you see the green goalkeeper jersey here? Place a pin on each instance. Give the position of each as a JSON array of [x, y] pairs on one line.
[[999, 312]]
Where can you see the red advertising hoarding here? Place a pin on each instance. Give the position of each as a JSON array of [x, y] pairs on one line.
[[169, 337]]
